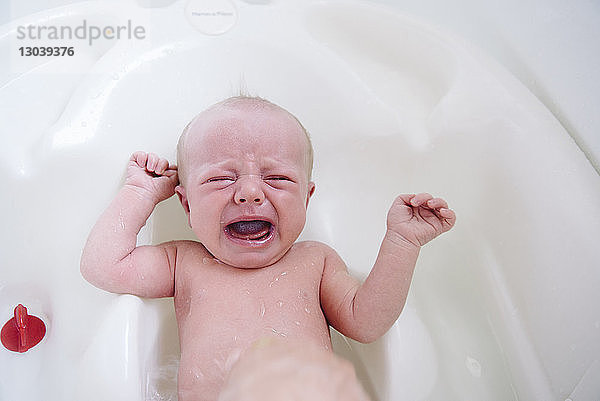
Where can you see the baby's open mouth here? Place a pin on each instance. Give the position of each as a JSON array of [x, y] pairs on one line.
[[253, 230]]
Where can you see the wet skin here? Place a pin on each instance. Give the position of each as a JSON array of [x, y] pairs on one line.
[[248, 163], [229, 292], [222, 310]]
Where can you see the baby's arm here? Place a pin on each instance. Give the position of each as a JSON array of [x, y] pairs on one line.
[[365, 312], [110, 258]]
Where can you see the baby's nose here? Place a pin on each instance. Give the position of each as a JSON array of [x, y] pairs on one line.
[[249, 190]]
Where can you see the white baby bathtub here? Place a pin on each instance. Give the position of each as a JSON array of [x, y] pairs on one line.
[[504, 307]]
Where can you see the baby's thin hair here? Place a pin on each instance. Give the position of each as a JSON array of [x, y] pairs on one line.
[[256, 103]]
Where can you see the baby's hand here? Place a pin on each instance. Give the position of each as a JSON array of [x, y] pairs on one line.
[[151, 176], [419, 218]]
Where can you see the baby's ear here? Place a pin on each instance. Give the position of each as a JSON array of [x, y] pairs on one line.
[[311, 191], [180, 191]]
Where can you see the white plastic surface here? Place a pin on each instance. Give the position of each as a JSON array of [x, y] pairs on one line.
[[504, 307]]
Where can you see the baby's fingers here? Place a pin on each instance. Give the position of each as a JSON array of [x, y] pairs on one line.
[[170, 172], [161, 166], [439, 207], [449, 218], [152, 163], [437, 203], [139, 158], [421, 198]]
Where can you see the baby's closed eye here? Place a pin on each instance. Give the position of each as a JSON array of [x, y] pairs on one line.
[[215, 179], [219, 182], [279, 181], [273, 180], [278, 178]]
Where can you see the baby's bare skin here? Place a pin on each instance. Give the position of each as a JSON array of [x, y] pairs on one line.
[[245, 187], [222, 310]]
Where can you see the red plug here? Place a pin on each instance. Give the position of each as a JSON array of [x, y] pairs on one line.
[[23, 331]]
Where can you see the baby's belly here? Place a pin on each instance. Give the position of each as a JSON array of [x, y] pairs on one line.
[[220, 324]]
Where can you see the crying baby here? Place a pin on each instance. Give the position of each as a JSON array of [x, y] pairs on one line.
[[244, 181]]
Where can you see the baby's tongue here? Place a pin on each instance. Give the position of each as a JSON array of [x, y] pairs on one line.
[[249, 229]]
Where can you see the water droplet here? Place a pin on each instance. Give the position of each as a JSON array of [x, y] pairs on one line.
[[297, 323], [473, 366], [280, 303], [247, 291], [198, 375], [307, 310], [280, 333], [276, 278], [205, 261], [262, 309], [121, 220]]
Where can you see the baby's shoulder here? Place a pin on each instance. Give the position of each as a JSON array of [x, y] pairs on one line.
[[189, 248], [186, 244], [313, 247]]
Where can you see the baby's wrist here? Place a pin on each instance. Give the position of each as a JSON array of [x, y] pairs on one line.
[[140, 194], [401, 241]]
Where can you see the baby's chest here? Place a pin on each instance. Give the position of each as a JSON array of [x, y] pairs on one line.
[[281, 299]]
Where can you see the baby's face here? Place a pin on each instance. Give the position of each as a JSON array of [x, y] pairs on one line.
[[246, 188]]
